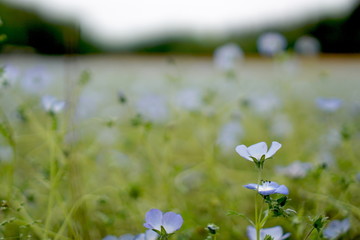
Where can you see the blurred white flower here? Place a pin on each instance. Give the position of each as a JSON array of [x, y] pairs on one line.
[[229, 135], [189, 99], [281, 126], [275, 232], [337, 228], [258, 151], [307, 45], [52, 105], [152, 108], [328, 104], [264, 104], [36, 80], [226, 56], [9, 76], [325, 157], [295, 170], [271, 43], [332, 138]]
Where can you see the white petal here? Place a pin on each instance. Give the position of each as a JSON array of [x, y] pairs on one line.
[[275, 232], [273, 149], [154, 218], [172, 222], [151, 235], [242, 151], [257, 150]]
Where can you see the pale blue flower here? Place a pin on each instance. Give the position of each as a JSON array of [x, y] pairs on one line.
[[152, 108], [328, 104], [258, 151], [52, 105], [295, 170], [337, 228], [229, 135], [268, 188], [307, 45], [226, 56], [189, 99], [275, 232], [271, 43], [170, 221], [9, 76], [36, 80]]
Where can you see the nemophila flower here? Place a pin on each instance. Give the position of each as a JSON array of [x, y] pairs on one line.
[[258, 152], [264, 104], [226, 56], [295, 170], [229, 135], [271, 43], [36, 80], [307, 45], [52, 105], [157, 220], [328, 104], [275, 232], [152, 108], [268, 188], [281, 126], [9, 75], [189, 99], [336, 228]]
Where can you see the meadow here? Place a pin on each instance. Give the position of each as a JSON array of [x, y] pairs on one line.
[[136, 133]]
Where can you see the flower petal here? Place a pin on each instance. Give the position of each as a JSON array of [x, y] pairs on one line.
[[172, 222], [251, 232], [151, 235], [275, 232], [282, 190], [153, 219], [252, 186], [257, 150], [266, 192], [242, 151], [275, 146]]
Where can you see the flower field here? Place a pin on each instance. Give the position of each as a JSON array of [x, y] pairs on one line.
[[90, 145]]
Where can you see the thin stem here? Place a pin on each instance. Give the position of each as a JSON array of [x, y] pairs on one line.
[[257, 213], [309, 233]]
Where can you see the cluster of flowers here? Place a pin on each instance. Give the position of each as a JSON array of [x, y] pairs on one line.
[[163, 225]]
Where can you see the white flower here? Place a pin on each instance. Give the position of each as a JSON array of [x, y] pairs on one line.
[[9, 76], [328, 104], [275, 232], [229, 135], [271, 43], [189, 99], [226, 56], [307, 45], [337, 228], [295, 170], [35, 80], [152, 108], [52, 105], [257, 151]]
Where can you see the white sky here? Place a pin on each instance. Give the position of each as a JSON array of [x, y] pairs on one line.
[[111, 21]]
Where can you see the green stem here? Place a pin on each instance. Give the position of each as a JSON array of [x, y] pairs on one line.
[[309, 233], [257, 213]]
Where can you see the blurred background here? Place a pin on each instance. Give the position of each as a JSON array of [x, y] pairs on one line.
[[159, 26]]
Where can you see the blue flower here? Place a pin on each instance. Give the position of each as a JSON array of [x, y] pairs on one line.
[[337, 228], [268, 188], [271, 43], [275, 232], [328, 104], [52, 105], [155, 219], [295, 170], [258, 151]]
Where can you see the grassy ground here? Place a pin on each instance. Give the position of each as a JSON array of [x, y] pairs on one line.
[[108, 160]]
